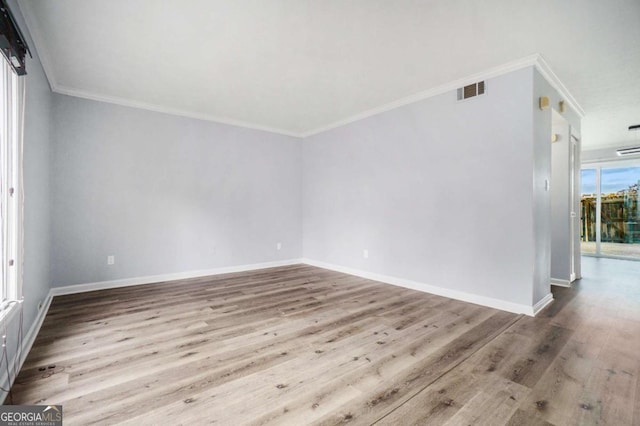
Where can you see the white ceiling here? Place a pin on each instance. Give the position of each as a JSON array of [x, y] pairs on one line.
[[298, 66]]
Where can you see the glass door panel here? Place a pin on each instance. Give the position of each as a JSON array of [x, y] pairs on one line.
[[620, 212], [588, 204]]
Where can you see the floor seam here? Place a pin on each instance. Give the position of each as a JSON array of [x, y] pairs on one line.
[[511, 324]]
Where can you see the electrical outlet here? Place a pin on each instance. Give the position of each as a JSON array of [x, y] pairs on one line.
[[278, 246], [111, 260], [365, 253]]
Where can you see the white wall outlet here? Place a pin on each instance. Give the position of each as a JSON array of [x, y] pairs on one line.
[[111, 260], [278, 246], [365, 253]]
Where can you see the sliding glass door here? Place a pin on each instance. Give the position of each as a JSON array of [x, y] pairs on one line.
[[610, 211], [588, 209]]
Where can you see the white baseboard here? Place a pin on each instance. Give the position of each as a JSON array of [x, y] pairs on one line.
[[560, 283], [543, 303], [28, 340], [19, 358], [440, 291], [126, 282], [30, 337]]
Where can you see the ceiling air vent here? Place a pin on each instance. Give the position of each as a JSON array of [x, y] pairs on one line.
[[471, 90], [623, 152]]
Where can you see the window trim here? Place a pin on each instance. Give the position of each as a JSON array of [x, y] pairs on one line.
[[11, 189]]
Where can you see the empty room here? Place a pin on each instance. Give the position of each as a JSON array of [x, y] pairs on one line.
[[289, 212]]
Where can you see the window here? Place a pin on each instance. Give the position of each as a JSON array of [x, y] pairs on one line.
[[11, 126]]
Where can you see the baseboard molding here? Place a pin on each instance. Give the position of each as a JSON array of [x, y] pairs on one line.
[[30, 337], [20, 357], [426, 288], [543, 303], [127, 282], [560, 283]]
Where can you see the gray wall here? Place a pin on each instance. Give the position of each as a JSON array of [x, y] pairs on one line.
[[439, 192], [561, 203], [37, 195], [542, 125], [166, 194], [36, 189], [541, 194]]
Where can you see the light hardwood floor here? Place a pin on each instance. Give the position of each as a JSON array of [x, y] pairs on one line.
[[299, 345]]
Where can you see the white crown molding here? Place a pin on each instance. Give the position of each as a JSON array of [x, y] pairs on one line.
[[543, 67], [490, 302], [535, 60], [150, 279], [167, 110], [33, 27], [518, 64]]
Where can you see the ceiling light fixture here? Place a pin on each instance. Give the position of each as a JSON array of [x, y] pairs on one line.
[[622, 152], [635, 150]]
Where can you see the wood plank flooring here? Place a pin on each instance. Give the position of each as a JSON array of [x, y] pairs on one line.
[[303, 345]]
